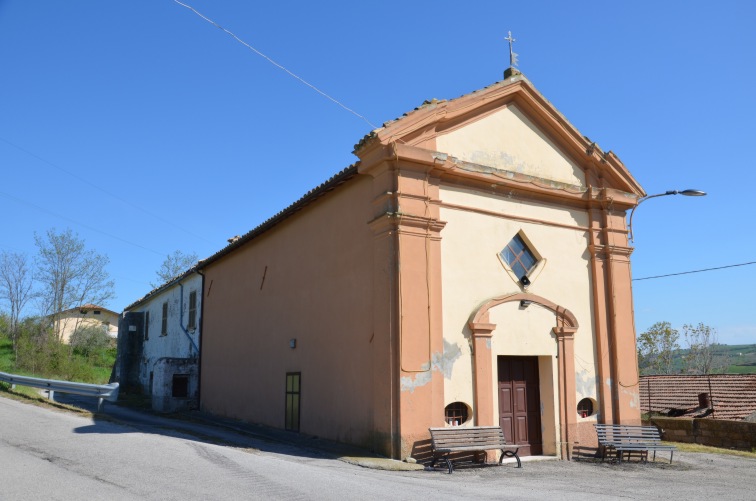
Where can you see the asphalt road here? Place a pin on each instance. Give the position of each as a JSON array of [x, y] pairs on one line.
[[55, 455]]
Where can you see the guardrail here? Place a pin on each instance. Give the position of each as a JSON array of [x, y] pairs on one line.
[[102, 392]]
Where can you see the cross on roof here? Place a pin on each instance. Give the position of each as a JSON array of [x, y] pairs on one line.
[[512, 55]]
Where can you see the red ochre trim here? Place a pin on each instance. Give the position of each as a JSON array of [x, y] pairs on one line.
[[564, 331]]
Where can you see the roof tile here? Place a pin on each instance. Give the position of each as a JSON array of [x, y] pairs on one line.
[[732, 396]]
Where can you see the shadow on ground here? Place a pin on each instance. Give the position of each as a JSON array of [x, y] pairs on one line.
[[205, 428]]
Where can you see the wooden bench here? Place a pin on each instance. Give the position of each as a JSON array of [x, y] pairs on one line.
[[627, 439], [470, 438]]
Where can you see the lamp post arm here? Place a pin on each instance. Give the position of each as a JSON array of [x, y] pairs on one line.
[[640, 201], [687, 193]]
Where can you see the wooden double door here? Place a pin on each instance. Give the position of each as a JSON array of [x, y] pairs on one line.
[[520, 403]]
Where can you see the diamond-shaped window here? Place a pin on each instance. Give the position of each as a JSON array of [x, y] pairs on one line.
[[519, 257]]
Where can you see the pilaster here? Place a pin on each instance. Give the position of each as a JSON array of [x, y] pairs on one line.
[[613, 312], [483, 390], [565, 337], [407, 226]]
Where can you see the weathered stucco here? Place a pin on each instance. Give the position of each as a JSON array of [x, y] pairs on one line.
[[508, 140], [310, 279], [473, 273], [180, 341]]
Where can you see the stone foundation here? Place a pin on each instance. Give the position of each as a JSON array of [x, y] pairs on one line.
[[713, 432]]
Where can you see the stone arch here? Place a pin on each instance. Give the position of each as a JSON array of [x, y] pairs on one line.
[[564, 330], [563, 315]]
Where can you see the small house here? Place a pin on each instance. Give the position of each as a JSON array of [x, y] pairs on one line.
[[87, 315], [158, 352]]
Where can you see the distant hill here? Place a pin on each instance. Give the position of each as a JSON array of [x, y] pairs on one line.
[[741, 357], [736, 358]]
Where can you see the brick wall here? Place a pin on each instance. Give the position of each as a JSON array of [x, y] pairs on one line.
[[714, 432]]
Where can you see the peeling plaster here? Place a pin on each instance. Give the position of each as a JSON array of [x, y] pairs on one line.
[[452, 352], [585, 384], [609, 382], [508, 167], [634, 398], [499, 158], [442, 363], [409, 383]]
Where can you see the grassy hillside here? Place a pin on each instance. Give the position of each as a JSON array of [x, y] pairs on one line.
[[737, 359], [742, 358], [77, 368], [6, 355]]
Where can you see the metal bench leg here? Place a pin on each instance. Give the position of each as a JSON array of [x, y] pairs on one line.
[[446, 459], [510, 454]]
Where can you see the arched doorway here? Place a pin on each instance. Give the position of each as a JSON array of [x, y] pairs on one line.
[[564, 329]]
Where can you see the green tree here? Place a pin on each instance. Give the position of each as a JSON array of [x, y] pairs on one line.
[[38, 348], [41, 353], [656, 349], [90, 341], [174, 265]]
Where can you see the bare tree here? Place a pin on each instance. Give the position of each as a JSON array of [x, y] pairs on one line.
[[174, 265], [69, 274], [657, 347], [15, 288], [701, 340]]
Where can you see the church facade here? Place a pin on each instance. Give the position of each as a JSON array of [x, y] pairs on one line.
[[472, 268]]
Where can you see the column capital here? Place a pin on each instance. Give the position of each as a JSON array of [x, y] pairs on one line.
[[482, 329], [564, 332]]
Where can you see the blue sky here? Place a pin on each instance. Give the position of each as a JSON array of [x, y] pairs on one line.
[[145, 129]]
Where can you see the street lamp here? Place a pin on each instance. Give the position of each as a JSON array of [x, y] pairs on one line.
[[687, 193]]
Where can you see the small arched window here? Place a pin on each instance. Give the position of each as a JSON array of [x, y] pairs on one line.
[[585, 407], [456, 413]]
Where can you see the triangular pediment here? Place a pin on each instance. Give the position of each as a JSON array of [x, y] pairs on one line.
[[507, 140], [508, 127]]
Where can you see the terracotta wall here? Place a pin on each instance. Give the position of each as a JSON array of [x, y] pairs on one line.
[[309, 279]]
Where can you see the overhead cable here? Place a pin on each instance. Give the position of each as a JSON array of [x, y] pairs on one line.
[[121, 199], [696, 271], [274, 63], [81, 224]]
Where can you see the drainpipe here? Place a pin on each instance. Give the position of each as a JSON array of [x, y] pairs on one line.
[[201, 329], [181, 322]]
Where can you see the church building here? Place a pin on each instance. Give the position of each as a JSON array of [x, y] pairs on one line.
[[471, 268]]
